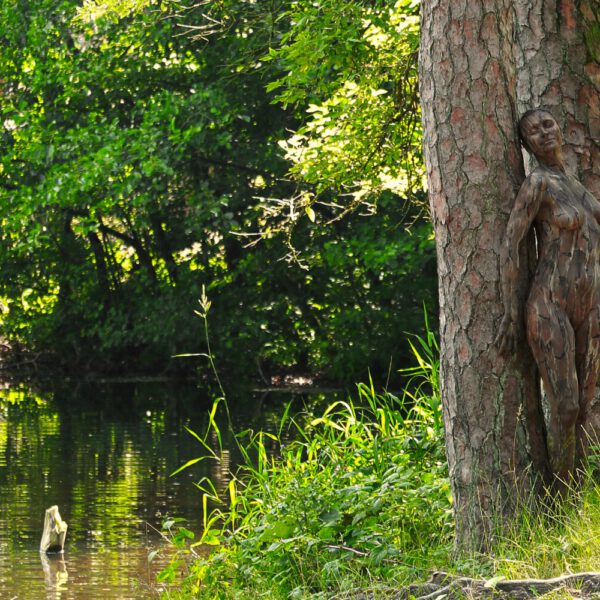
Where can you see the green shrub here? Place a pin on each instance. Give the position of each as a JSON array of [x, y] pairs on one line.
[[356, 494], [358, 498]]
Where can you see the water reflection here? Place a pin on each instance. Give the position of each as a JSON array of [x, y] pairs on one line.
[[104, 454], [55, 574]]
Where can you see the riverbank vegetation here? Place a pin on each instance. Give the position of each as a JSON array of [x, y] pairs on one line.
[[353, 492], [354, 499]]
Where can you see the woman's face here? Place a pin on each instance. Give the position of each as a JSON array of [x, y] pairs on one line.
[[541, 134]]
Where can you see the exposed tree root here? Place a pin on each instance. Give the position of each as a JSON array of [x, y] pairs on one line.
[[443, 586]]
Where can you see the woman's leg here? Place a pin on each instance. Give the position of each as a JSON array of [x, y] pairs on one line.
[[587, 343], [552, 342]]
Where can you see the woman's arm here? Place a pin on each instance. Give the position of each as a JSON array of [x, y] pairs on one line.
[[525, 209]]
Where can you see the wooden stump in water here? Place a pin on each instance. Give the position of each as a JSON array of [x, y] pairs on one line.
[[55, 532]]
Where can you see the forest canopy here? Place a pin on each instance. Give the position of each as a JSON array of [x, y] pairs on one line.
[[269, 151]]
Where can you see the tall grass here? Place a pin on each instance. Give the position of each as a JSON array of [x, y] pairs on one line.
[[358, 497], [553, 539], [354, 495]]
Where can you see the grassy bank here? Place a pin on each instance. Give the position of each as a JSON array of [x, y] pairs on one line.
[[357, 497]]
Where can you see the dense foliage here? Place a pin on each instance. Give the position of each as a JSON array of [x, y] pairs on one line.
[[360, 505], [144, 144], [358, 494], [356, 502]]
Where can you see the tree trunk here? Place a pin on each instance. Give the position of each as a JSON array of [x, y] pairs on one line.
[[558, 57], [100, 263], [558, 53], [482, 65], [468, 84], [163, 247]]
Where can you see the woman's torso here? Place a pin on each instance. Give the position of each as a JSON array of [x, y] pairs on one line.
[[568, 239]]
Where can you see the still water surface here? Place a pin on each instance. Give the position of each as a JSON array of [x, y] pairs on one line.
[[104, 454]]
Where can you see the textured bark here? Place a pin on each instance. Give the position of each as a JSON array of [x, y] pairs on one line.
[[468, 85], [558, 59], [559, 68], [483, 64]]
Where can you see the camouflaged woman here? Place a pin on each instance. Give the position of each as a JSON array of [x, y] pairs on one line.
[[561, 311]]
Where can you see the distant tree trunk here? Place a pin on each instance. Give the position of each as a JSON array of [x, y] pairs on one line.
[[163, 247], [133, 239], [72, 258], [100, 262]]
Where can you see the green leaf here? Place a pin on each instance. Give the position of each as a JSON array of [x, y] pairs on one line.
[[330, 516], [189, 463], [310, 213]]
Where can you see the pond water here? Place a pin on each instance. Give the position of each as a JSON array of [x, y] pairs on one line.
[[104, 454]]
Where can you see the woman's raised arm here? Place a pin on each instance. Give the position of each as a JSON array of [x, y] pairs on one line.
[[525, 209]]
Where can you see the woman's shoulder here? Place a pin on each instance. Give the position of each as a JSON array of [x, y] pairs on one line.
[[537, 180], [538, 175]]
